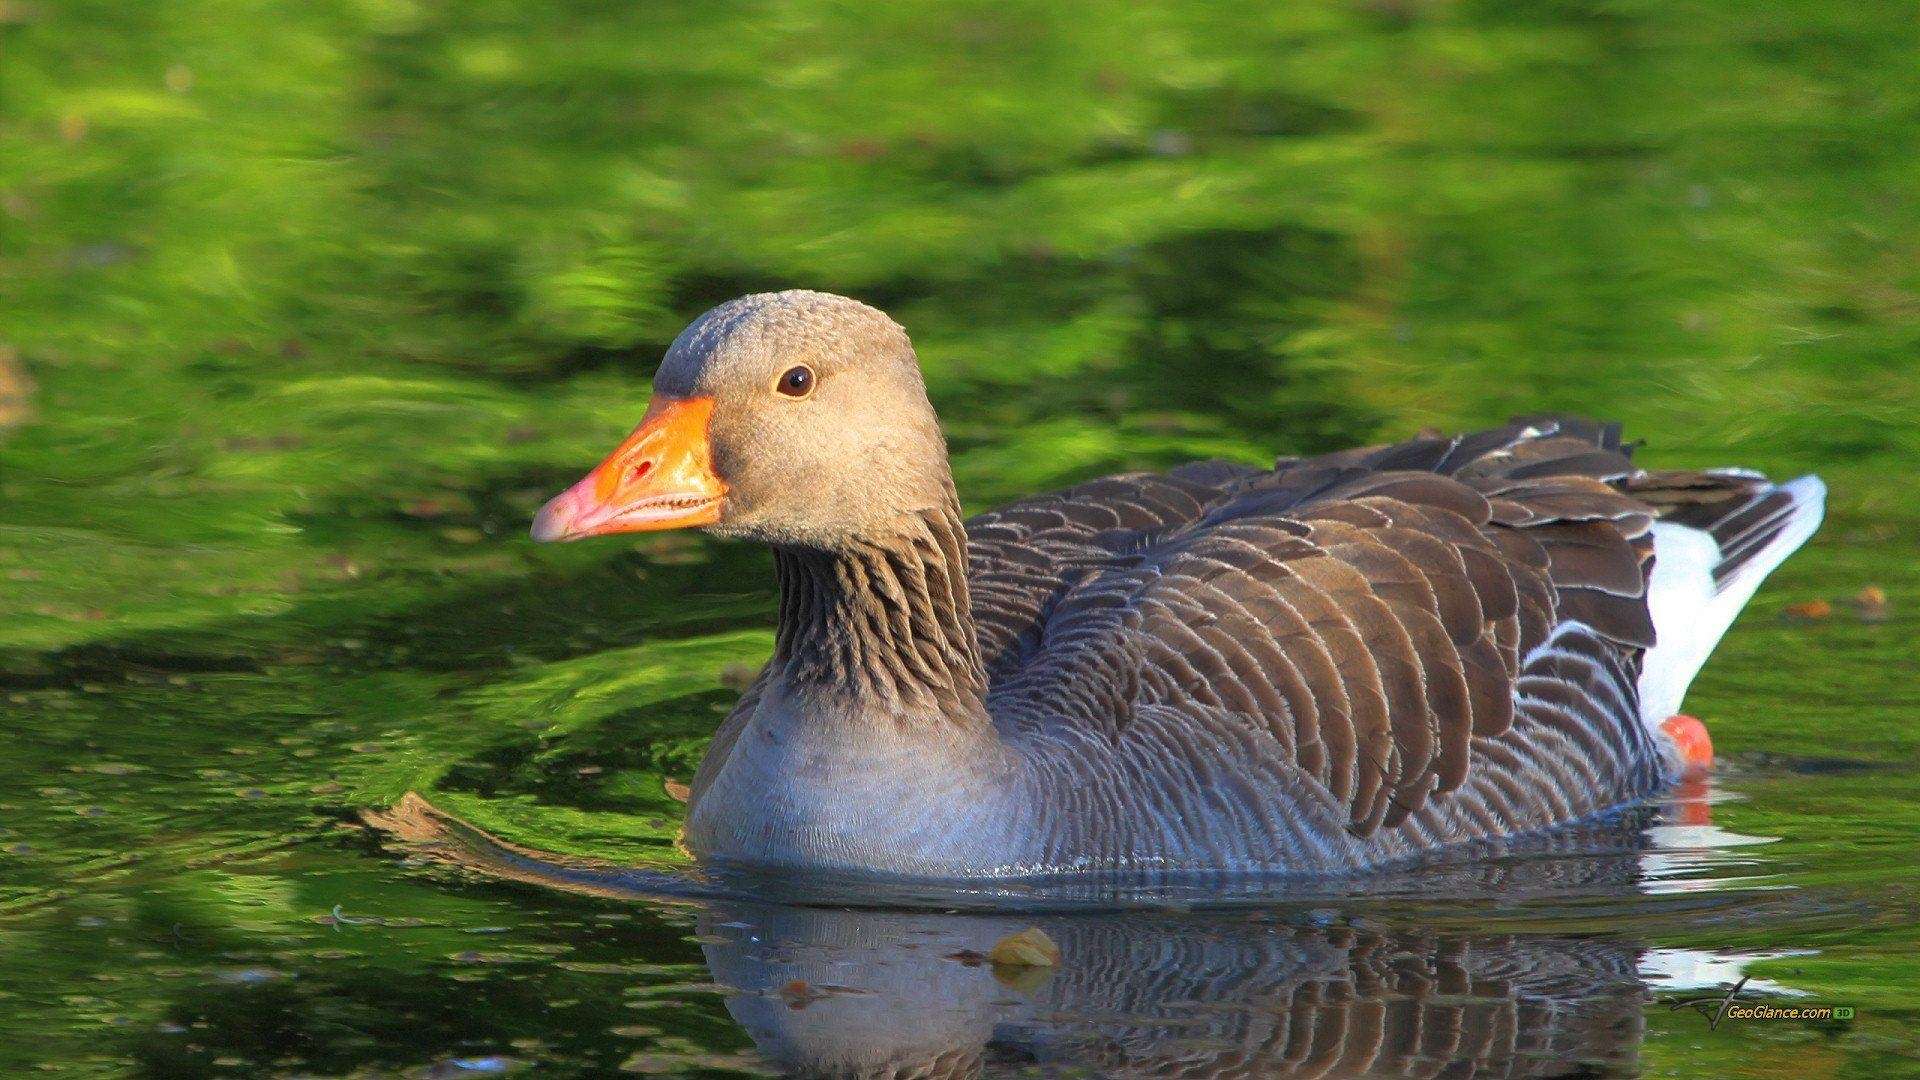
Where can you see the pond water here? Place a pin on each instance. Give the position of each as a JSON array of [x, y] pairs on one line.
[[308, 307]]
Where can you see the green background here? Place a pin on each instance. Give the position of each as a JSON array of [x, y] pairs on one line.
[[305, 307]]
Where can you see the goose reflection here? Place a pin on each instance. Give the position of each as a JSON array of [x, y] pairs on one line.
[[1290, 984], [883, 994]]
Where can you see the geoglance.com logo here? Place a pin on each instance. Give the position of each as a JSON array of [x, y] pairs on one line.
[[1732, 1007]]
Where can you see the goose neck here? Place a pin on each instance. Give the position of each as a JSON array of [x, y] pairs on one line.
[[886, 620]]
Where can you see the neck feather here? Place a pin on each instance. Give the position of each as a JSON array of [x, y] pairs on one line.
[[887, 619]]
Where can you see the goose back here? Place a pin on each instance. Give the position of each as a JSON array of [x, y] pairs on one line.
[[1372, 618]]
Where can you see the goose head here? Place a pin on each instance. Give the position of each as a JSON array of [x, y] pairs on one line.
[[796, 418]]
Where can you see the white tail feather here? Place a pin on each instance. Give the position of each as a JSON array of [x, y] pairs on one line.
[[1690, 613]]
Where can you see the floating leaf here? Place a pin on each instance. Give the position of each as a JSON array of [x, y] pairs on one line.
[[1872, 603], [1028, 948]]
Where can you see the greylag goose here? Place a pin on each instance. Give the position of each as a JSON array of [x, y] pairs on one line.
[[1315, 668]]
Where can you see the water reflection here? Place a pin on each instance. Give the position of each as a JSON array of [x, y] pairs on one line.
[[893, 994], [1394, 976]]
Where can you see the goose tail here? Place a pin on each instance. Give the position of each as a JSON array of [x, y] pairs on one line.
[[1717, 536]]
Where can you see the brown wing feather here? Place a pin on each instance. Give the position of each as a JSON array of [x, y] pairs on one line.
[[1369, 612]]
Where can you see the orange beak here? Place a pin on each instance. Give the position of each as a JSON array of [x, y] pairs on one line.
[[660, 478]]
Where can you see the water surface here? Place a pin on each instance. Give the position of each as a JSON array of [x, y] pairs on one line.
[[307, 307]]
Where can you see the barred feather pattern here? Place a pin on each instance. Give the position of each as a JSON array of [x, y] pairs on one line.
[[1403, 1005], [1334, 663]]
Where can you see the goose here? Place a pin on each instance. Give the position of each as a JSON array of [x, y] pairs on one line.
[[1331, 665]]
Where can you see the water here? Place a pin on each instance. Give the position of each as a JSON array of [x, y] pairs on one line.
[[307, 310]]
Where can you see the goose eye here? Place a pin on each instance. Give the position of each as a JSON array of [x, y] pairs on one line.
[[797, 382]]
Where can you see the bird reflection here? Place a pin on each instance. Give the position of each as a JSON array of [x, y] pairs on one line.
[[884, 994], [1278, 988]]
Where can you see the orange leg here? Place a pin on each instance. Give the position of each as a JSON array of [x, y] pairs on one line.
[[1690, 806], [1696, 749]]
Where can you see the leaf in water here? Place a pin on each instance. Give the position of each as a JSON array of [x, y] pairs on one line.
[[798, 994], [1028, 948], [1872, 603]]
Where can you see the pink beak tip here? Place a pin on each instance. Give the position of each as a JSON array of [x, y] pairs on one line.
[[555, 520]]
